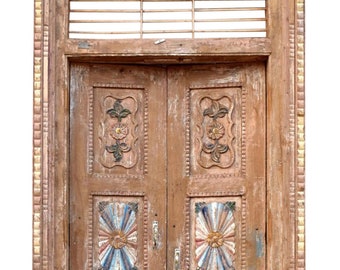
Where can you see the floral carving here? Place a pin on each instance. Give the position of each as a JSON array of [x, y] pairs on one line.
[[216, 110], [117, 235], [215, 131], [118, 111], [118, 131], [215, 235]]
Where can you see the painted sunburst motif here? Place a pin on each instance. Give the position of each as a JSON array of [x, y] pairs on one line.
[[215, 235], [117, 235]]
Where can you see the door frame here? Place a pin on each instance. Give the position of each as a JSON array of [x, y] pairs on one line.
[[283, 52]]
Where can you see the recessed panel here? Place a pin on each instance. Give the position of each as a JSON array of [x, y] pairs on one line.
[[116, 143], [117, 235], [216, 138], [216, 230]]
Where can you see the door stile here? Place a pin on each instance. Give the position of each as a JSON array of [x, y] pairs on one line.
[[178, 237], [103, 179], [197, 181]]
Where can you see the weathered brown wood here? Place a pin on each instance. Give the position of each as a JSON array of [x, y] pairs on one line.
[[239, 174], [283, 51], [174, 47], [281, 143], [95, 174]]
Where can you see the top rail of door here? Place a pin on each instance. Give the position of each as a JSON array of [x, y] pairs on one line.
[[143, 19]]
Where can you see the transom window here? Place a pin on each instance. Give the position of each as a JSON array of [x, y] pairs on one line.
[[132, 19]]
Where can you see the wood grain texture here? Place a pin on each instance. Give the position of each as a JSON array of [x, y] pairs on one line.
[[94, 89], [216, 82], [284, 49], [181, 47]]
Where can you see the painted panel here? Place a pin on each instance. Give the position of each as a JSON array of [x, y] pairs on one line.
[[116, 235], [216, 233]]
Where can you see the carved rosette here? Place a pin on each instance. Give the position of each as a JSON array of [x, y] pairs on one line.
[[216, 133], [215, 235], [117, 132], [117, 235]]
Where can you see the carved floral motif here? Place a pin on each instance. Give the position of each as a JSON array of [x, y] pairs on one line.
[[215, 235], [117, 235], [118, 131], [215, 130]]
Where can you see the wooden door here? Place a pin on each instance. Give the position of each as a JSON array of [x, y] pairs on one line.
[[167, 167]]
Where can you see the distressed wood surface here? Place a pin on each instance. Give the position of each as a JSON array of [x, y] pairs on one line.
[[192, 47], [237, 175], [284, 51], [141, 92]]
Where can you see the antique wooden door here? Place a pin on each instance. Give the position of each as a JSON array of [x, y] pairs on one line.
[[167, 166]]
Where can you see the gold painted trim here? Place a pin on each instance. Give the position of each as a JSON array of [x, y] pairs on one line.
[[37, 135], [40, 136], [300, 130]]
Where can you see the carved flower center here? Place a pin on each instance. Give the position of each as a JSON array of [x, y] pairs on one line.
[[118, 239], [215, 131], [119, 131], [215, 239]]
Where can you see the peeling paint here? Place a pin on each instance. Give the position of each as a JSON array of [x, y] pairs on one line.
[[259, 243]]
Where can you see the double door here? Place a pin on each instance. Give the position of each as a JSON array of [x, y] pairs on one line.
[[167, 166]]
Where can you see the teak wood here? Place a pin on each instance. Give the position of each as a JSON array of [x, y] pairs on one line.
[[164, 136]]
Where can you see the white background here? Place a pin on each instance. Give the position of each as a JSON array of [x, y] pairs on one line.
[[322, 134]]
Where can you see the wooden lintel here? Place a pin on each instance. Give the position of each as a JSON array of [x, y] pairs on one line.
[[187, 47]]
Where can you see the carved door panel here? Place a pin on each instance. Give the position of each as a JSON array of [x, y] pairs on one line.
[[167, 167], [216, 166], [118, 170]]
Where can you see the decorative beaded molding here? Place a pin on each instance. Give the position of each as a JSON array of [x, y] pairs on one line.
[[226, 193], [187, 233], [292, 123], [243, 233], [90, 231], [39, 253], [300, 92], [90, 149], [91, 130]]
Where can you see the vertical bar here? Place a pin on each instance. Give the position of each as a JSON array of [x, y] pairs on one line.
[[193, 18], [141, 18]]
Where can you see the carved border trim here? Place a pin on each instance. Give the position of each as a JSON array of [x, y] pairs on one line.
[[187, 131], [90, 232], [292, 124], [39, 260], [187, 233], [243, 130], [300, 149], [243, 232]]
